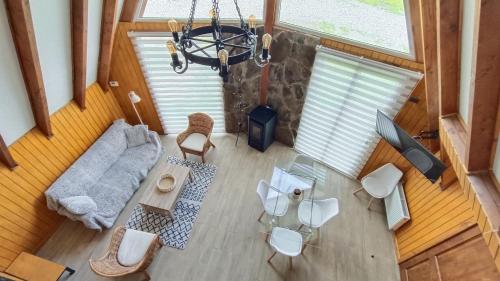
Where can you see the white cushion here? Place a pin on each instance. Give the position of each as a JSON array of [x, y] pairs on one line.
[[134, 246], [286, 241], [136, 135], [194, 141]]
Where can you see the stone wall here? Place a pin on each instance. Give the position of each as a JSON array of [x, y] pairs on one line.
[[243, 86], [292, 58]]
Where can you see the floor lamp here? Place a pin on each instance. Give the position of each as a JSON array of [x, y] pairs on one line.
[[134, 98]]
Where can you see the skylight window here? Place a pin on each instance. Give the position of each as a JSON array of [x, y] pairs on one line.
[[179, 9], [374, 24]]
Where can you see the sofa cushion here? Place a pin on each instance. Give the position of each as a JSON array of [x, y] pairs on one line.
[[79, 205], [136, 135], [134, 246], [194, 141]]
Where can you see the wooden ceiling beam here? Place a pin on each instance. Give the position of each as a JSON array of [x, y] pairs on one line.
[[128, 11], [269, 21], [23, 35], [485, 88], [428, 22], [79, 25], [448, 44], [5, 156], [109, 10]]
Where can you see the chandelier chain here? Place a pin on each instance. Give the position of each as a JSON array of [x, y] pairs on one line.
[[189, 25], [215, 7], [239, 13]]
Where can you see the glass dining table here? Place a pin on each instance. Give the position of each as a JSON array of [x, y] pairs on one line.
[[302, 181]]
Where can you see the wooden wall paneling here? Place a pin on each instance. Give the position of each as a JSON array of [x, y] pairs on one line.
[[449, 176], [23, 35], [485, 95], [5, 156], [463, 257], [25, 221], [79, 23], [435, 215], [479, 188], [448, 44], [371, 54], [127, 71], [109, 10], [128, 10], [416, 28], [428, 21]]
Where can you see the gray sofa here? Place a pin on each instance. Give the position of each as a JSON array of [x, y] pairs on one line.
[[97, 186]]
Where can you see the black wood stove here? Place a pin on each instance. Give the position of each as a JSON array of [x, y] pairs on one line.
[[261, 125]]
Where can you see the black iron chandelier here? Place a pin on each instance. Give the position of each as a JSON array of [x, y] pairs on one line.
[[232, 44]]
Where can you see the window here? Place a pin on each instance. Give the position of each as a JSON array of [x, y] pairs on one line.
[[175, 96], [180, 9], [338, 119], [375, 24]]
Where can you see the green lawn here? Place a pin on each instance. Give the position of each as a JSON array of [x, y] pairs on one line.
[[394, 6]]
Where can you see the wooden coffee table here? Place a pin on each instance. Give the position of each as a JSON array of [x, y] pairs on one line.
[[156, 201]]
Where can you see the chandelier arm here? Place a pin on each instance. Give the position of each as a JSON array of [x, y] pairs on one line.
[[237, 46], [202, 49], [233, 37], [202, 40], [182, 68], [260, 64]]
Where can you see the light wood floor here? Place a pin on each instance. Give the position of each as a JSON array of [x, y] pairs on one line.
[[226, 243]]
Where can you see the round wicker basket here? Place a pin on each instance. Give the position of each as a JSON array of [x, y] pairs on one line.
[[166, 183]]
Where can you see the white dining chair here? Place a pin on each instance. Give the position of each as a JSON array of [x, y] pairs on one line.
[[381, 182], [286, 242], [319, 213], [274, 202]]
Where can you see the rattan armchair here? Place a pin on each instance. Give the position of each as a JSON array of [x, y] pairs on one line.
[[191, 141], [108, 265]]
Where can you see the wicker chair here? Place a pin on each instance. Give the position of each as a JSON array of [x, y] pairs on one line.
[[108, 265], [196, 138]]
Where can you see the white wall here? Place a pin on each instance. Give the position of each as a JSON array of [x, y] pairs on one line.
[[52, 24], [466, 57], [15, 111], [93, 39], [51, 20]]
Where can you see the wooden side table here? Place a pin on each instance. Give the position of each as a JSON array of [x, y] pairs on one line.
[[29, 267]]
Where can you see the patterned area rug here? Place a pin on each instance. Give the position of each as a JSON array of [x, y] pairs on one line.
[[175, 233]]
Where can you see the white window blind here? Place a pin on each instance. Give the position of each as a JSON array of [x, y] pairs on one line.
[[338, 119], [176, 96]]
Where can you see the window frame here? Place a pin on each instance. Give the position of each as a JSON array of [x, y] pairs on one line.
[[411, 55], [142, 6]]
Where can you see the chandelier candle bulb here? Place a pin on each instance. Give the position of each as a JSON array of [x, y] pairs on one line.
[[224, 68], [173, 53], [266, 43], [252, 23], [174, 28]]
